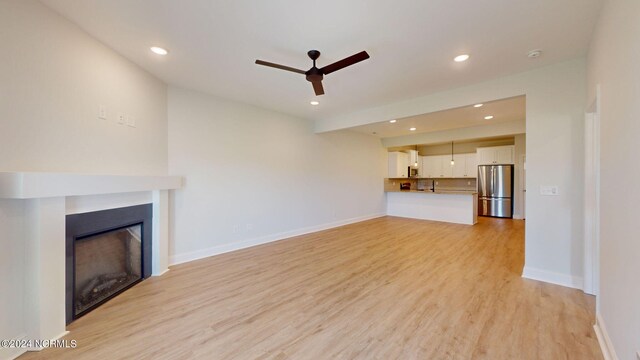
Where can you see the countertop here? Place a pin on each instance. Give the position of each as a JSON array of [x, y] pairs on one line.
[[453, 192]]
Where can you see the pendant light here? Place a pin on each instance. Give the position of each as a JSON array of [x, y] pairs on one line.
[[452, 162], [415, 164]]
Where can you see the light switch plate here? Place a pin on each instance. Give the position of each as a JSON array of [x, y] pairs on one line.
[[102, 112], [549, 190]]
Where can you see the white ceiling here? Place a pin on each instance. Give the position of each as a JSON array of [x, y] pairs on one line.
[[213, 44], [511, 109]]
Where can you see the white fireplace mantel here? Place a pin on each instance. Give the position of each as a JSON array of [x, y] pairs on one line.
[[45, 200], [26, 185]]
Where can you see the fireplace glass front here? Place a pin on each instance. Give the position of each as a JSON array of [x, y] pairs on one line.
[[105, 265]]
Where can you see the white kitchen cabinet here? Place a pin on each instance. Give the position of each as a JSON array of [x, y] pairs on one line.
[[413, 159], [398, 164], [505, 155], [466, 166], [496, 155], [421, 169], [430, 167], [471, 165], [460, 165], [447, 169], [437, 166]]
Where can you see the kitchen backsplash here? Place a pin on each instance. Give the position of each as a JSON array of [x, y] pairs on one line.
[[441, 184]]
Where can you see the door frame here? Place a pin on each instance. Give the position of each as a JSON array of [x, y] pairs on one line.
[[592, 198], [523, 185]]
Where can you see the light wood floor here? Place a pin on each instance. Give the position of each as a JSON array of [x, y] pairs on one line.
[[388, 288]]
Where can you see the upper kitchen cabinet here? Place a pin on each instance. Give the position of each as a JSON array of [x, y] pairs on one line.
[[438, 166], [430, 167], [496, 155], [460, 165], [471, 165], [414, 159], [398, 164], [465, 165]]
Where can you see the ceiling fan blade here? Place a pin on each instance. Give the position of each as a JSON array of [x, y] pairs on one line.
[[345, 62], [318, 88], [281, 67]]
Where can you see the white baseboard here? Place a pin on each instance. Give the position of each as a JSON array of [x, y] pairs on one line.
[[19, 351], [161, 273], [59, 336], [608, 352], [575, 282], [224, 248]]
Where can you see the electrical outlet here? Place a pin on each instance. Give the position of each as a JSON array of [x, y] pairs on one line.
[[131, 121], [120, 119], [468, 182], [549, 190], [102, 112]]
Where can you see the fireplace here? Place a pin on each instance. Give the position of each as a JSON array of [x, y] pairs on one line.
[[107, 252]]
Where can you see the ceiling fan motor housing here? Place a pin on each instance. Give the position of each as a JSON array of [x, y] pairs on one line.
[[314, 74]]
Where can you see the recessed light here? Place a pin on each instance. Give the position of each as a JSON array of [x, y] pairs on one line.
[[159, 50], [488, 117], [461, 58], [534, 53], [412, 129], [392, 121], [314, 103], [478, 105]]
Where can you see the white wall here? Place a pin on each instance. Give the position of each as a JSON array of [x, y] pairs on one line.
[[12, 275], [253, 175], [53, 77], [614, 64], [554, 135]]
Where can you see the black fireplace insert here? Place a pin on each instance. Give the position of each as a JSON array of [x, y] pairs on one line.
[[107, 252]]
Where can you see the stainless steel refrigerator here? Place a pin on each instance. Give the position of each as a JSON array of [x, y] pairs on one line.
[[495, 190]]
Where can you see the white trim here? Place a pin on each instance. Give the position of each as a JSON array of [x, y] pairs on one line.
[[592, 198], [575, 282], [25, 185], [21, 351], [89, 203], [24, 350], [608, 352], [161, 273], [160, 232], [224, 248]]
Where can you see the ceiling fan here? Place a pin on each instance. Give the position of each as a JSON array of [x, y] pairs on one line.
[[315, 75]]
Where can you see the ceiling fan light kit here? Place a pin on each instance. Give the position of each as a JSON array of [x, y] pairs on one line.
[[315, 74]]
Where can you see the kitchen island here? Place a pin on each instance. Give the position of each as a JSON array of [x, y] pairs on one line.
[[460, 207]]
